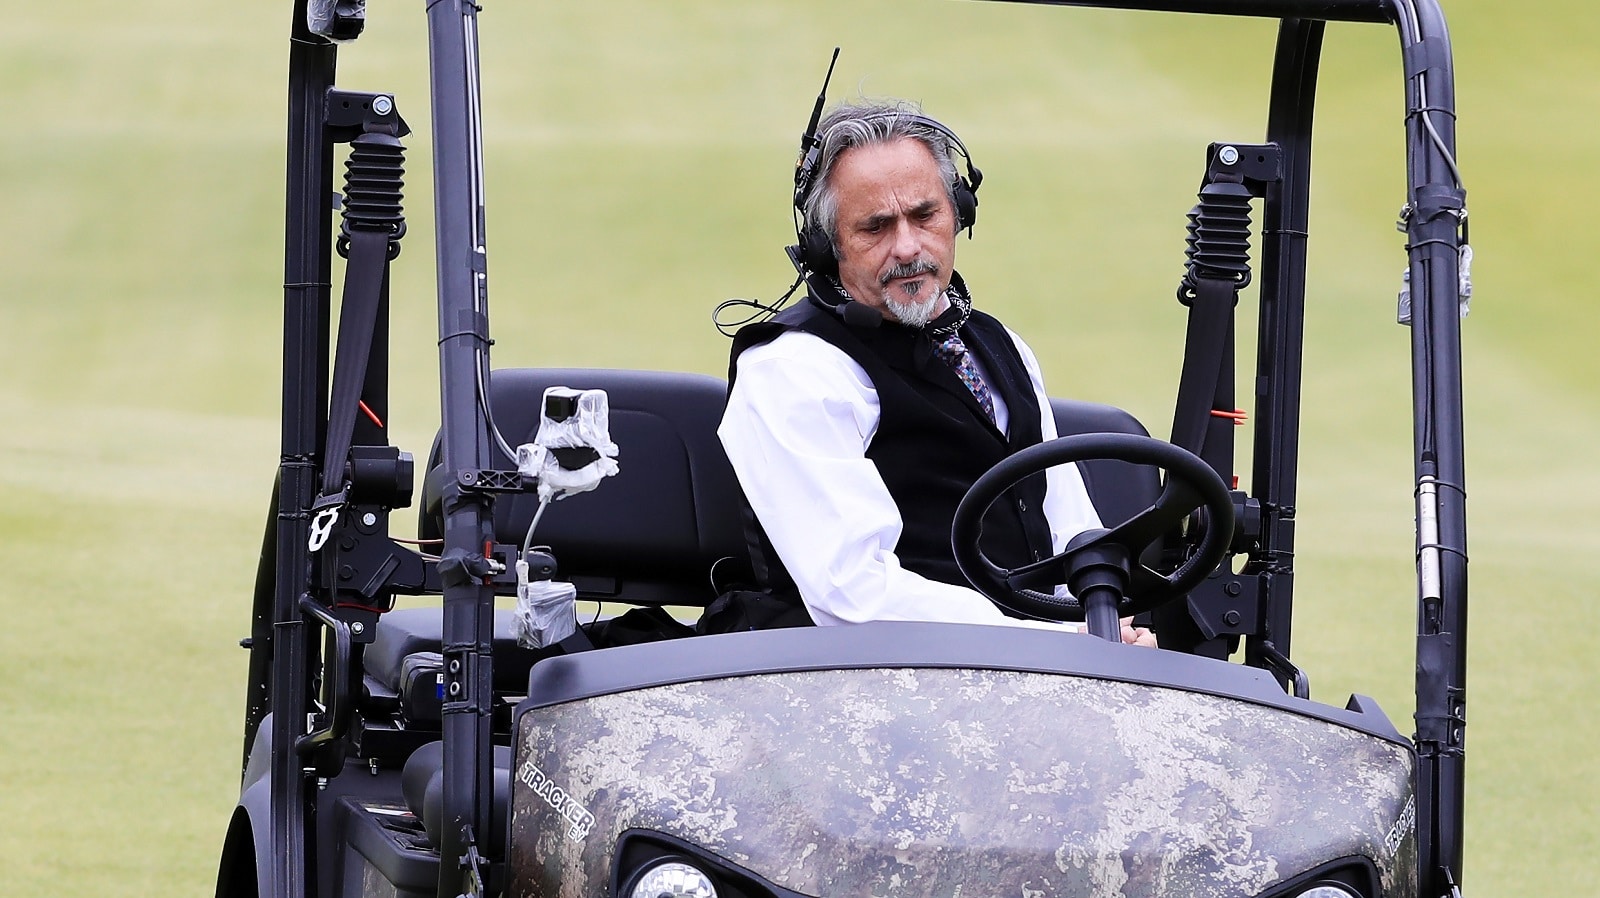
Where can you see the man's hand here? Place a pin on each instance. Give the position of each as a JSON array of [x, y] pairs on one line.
[[1132, 635]]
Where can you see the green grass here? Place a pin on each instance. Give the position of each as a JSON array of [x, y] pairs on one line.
[[638, 166]]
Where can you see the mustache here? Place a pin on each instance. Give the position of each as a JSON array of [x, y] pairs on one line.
[[908, 270]]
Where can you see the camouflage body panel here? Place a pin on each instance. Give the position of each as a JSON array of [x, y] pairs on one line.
[[946, 782]]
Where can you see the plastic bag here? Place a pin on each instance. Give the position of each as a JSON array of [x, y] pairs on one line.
[[547, 610], [572, 451]]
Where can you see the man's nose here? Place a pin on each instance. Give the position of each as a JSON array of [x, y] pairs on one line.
[[907, 244]]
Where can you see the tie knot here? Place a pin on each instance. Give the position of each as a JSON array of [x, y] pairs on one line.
[[951, 349]]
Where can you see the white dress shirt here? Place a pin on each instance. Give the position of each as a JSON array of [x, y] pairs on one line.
[[799, 420]]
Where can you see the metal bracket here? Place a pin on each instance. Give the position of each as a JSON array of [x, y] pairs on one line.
[[1227, 604], [488, 480], [348, 113], [1254, 164]]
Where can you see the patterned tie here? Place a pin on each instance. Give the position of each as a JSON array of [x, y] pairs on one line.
[[954, 353]]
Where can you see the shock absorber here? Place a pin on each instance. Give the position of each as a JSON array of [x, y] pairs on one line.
[[1218, 245], [374, 176]]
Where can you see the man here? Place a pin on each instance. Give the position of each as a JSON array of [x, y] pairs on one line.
[[855, 423]]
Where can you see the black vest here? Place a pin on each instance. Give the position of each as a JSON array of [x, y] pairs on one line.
[[933, 439]]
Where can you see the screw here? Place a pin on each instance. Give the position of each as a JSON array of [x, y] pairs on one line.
[[369, 519], [1228, 155], [357, 627], [382, 105]]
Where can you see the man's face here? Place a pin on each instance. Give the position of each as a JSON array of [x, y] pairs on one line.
[[896, 229]]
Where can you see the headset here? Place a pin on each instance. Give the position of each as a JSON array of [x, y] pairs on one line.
[[813, 252]]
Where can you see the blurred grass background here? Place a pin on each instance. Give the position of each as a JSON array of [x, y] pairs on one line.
[[638, 164]]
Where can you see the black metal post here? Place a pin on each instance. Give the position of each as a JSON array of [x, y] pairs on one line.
[[467, 441], [307, 265], [1436, 203], [1282, 323]]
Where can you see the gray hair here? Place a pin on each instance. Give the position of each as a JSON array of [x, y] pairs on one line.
[[864, 124]]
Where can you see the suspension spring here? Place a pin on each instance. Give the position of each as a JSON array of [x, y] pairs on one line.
[[374, 176], [1218, 245]]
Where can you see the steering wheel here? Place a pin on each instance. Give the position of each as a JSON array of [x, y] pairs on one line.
[[1101, 567]]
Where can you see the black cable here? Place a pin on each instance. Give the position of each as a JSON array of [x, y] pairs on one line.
[[762, 311]]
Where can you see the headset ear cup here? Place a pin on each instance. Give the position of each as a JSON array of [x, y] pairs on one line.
[[816, 250], [966, 205]]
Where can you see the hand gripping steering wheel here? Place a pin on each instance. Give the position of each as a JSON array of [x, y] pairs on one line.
[[1100, 567]]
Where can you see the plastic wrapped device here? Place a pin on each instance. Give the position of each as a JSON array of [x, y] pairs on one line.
[[547, 610], [572, 451], [336, 20]]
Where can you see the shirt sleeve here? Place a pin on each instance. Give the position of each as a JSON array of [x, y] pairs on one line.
[[799, 420]]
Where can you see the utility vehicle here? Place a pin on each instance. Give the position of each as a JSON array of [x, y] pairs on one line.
[[425, 751]]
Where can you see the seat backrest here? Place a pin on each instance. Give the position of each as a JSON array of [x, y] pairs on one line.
[[661, 529], [666, 530], [1119, 489]]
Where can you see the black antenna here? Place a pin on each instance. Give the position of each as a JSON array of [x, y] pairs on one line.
[[805, 168]]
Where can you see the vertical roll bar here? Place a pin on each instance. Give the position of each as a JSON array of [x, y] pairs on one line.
[[1434, 217], [285, 647], [1282, 321], [466, 438]]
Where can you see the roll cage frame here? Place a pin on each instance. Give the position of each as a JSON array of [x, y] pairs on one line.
[[293, 599]]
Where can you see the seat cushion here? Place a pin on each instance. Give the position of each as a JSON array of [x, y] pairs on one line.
[[422, 785], [407, 632]]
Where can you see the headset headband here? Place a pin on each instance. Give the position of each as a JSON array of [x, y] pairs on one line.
[[806, 174]]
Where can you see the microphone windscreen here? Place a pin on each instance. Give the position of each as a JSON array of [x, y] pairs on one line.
[[857, 314]]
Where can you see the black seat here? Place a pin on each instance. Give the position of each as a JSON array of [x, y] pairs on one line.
[[666, 529], [1118, 489]]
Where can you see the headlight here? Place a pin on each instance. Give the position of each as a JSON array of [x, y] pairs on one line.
[[651, 864], [1327, 890], [674, 879]]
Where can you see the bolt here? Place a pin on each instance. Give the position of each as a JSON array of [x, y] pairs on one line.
[[369, 519], [346, 572], [1231, 618], [382, 105], [1228, 155], [357, 627], [1232, 588]]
